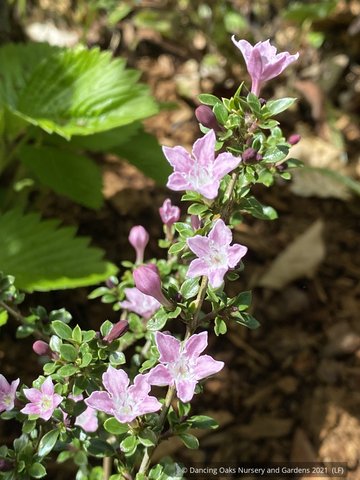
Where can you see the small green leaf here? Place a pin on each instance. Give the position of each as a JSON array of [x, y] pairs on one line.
[[111, 425], [147, 438], [67, 370], [246, 319], [62, 330], [220, 327], [221, 113], [189, 440], [243, 300], [190, 288], [37, 470], [202, 421], [80, 458], [28, 426], [129, 444], [68, 352], [100, 448], [184, 229], [76, 334], [294, 163], [197, 208], [177, 247], [277, 106], [47, 442], [275, 154], [208, 99], [254, 104], [158, 321]]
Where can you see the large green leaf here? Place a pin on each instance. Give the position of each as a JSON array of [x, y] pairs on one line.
[[43, 257], [66, 172], [74, 92]]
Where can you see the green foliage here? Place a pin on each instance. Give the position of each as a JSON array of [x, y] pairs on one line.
[[44, 257]]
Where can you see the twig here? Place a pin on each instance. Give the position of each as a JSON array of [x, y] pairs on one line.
[[23, 321]]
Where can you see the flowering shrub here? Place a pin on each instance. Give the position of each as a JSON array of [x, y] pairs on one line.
[[92, 400]]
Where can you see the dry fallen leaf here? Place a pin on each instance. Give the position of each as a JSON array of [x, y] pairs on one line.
[[300, 259]]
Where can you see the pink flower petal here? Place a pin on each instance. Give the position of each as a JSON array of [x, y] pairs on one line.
[[185, 390], [177, 182], [235, 254], [206, 366], [168, 346], [220, 234], [33, 394], [197, 268], [140, 389], [115, 382], [178, 158], [199, 245], [31, 409], [196, 345], [100, 401], [161, 376], [224, 163], [47, 387], [148, 405], [204, 149], [216, 276], [4, 385]]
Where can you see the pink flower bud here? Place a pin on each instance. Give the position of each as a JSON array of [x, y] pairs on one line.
[[294, 139], [118, 330], [169, 214], [196, 222], [207, 118], [139, 238], [251, 156], [149, 282], [42, 348]]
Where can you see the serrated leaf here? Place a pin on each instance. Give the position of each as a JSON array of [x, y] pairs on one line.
[[189, 440], [47, 442], [111, 425], [44, 258], [144, 152], [77, 91], [66, 172]]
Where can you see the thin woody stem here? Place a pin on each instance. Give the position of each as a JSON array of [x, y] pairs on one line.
[[163, 415], [23, 321]]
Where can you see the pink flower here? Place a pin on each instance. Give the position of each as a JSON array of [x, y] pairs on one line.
[[139, 238], [117, 331], [182, 364], [43, 402], [87, 420], [149, 283], [262, 61], [201, 173], [138, 302], [123, 402], [215, 254], [169, 214], [7, 393]]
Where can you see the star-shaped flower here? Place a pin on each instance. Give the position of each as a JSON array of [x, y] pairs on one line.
[[123, 402], [216, 256], [182, 365], [201, 173], [42, 402], [7, 393], [262, 61], [138, 302]]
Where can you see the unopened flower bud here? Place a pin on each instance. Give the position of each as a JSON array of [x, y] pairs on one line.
[[282, 167], [207, 118], [294, 139], [178, 298], [118, 330], [196, 222], [149, 282], [42, 348], [250, 156], [109, 283], [97, 335], [262, 101], [6, 465], [139, 238], [169, 214], [153, 267]]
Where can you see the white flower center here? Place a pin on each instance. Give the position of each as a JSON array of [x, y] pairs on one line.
[[201, 176], [217, 257], [47, 402], [181, 370]]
